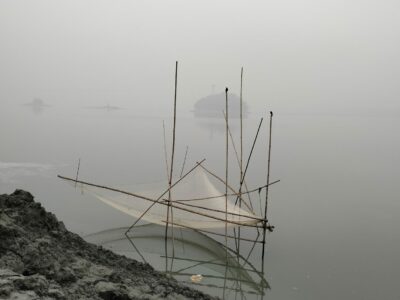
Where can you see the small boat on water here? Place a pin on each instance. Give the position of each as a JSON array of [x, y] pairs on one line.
[[107, 107], [37, 105]]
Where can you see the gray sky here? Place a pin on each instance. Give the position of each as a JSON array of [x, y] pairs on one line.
[[299, 55]]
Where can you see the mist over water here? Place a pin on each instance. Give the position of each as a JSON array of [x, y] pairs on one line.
[[94, 80], [336, 211]]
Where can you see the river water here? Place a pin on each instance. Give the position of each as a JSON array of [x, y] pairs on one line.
[[336, 209]]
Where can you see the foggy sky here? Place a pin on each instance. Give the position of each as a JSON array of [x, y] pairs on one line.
[[298, 56]]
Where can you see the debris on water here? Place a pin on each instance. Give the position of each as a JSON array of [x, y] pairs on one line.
[[196, 278]]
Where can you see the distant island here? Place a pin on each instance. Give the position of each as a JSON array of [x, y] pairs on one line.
[[213, 105]]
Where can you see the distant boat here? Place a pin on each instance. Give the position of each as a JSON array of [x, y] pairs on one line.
[[213, 105], [37, 105], [105, 107]]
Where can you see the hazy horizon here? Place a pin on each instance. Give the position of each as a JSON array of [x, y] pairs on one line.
[[298, 56], [330, 71]]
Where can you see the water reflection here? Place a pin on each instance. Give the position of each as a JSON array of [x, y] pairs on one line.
[[214, 126], [209, 113], [191, 257]]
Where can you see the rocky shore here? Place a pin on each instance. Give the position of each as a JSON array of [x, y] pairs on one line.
[[41, 259]]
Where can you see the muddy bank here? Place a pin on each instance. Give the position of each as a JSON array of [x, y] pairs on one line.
[[40, 259]]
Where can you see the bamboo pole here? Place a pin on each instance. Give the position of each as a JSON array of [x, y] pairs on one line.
[[241, 129], [222, 195], [223, 182], [173, 132], [241, 150], [219, 210], [166, 204], [267, 187], [226, 181], [251, 152], [137, 250], [215, 218], [214, 233], [165, 151], [77, 171], [133, 194], [184, 160], [172, 163], [226, 162], [254, 244], [168, 178], [158, 200]]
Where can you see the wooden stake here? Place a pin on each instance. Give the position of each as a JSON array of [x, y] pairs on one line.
[[241, 150], [226, 181], [238, 161], [267, 187], [241, 123], [226, 161], [172, 162]]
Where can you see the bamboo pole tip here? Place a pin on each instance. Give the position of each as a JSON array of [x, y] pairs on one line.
[[271, 113], [226, 90]]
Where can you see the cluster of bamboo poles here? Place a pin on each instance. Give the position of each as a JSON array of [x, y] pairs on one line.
[[183, 205], [239, 199]]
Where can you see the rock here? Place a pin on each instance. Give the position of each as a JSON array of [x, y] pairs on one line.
[[56, 294], [29, 295], [111, 291], [40, 259], [5, 288]]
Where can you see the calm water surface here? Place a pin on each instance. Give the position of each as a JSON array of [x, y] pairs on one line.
[[336, 209]]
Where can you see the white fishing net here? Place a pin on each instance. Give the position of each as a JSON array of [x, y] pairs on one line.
[[196, 213]]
